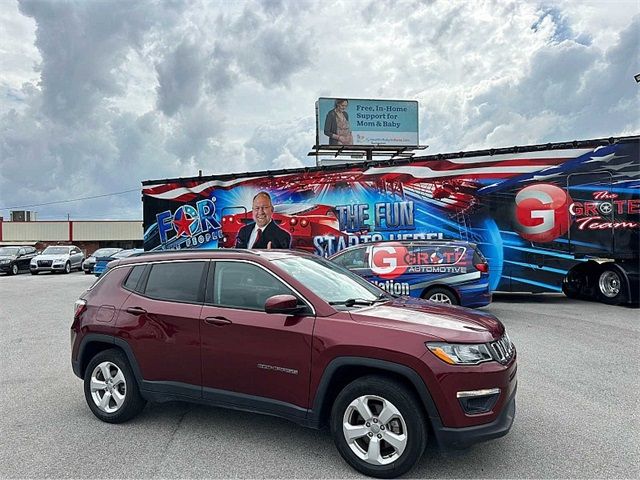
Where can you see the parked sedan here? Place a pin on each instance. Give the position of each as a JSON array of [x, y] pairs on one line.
[[90, 262], [59, 258], [16, 259], [102, 262]]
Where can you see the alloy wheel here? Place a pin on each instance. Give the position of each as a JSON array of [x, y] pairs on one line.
[[375, 430], [440, 298], [108, 387]]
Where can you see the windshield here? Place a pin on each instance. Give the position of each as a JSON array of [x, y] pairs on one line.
[[127, 253], [105, 252], [329, 281], [9, 250], [56, 251]]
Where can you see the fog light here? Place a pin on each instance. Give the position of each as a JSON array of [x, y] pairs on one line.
[[474, 402]]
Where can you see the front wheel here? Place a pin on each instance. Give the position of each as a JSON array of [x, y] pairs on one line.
[[611, 287], [14, 269], [110, 388], [67, 267], [378, 426]]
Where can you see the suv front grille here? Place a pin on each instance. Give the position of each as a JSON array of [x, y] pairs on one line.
[[502, 350], [45, 263]]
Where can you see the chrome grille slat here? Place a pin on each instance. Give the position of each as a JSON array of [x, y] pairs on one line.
[[502, 349]]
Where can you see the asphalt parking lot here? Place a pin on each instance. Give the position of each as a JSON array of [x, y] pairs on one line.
[[578, 409]]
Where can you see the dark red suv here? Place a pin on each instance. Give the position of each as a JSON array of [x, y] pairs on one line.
[[296, 336]]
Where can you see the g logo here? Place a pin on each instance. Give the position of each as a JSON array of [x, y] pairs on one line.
[[389, 261], [541, 211]]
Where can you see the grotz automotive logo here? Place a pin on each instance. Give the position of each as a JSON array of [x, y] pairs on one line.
[[388, 261], [542, 211], [197, 225]]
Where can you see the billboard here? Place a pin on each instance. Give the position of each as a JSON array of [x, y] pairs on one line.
[[349, 121]]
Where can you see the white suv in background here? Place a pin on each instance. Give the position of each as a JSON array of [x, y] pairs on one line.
[[58, 258]]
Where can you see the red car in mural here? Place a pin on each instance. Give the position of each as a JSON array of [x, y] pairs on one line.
[[302, 220]]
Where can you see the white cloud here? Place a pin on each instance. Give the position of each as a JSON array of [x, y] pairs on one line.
[[98, 96]]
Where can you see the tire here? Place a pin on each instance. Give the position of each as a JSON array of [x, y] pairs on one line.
[[406, 423], [610, 286], [67, 267], [87, 272], [34, 273], [116, 401], [14, 269], [441, 295]]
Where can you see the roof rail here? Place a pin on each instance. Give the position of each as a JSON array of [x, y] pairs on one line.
[[196, 250]]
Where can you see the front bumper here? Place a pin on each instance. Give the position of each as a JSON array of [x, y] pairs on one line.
[[459, 438], [6, 267], [55, 267]]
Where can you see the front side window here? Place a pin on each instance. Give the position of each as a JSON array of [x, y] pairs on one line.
[[244, 285], [176, 281]]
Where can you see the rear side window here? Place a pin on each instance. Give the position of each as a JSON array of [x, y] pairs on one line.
[[134, 277], [177, 281]]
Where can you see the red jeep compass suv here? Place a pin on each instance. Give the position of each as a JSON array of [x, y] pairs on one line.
[[291, 334]]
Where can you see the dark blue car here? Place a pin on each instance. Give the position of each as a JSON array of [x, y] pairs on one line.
[[102, 262], [453, 272]]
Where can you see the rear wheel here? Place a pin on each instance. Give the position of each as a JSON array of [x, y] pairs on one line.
[[110, 388], [611, 287], [379, 427], [441, 295]]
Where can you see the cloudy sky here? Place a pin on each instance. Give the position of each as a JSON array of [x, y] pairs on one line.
[[97, 96]]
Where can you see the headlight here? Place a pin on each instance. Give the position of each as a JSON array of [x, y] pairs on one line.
[[5, 261], [60, 259], [33, 261], [460, 353]]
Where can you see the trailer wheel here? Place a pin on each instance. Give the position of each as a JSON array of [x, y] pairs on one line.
[[573, 283], [611, 286]]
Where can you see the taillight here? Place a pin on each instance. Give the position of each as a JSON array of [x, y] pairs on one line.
[[80, 306], [293, 221], [304, 222], [482, 267]]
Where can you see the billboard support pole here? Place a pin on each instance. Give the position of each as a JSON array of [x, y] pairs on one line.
[[362, 153]]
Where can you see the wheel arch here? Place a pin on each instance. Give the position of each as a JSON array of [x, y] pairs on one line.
[[343, 370], [620, 271], [94, 343]]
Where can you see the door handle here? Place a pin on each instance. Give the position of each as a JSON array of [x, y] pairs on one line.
[[219, 321], [136, 311]]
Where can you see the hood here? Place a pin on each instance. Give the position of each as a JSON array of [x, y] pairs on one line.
[[52, 257], [442, 322]]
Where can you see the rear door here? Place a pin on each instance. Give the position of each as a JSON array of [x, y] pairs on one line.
[[160, 320]]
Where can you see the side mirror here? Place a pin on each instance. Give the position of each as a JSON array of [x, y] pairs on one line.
[[286, 304]]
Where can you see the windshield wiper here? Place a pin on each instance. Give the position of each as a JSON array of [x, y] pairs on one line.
[[358, 301]]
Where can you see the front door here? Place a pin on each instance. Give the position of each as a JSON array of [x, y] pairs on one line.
[[247, 351]]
